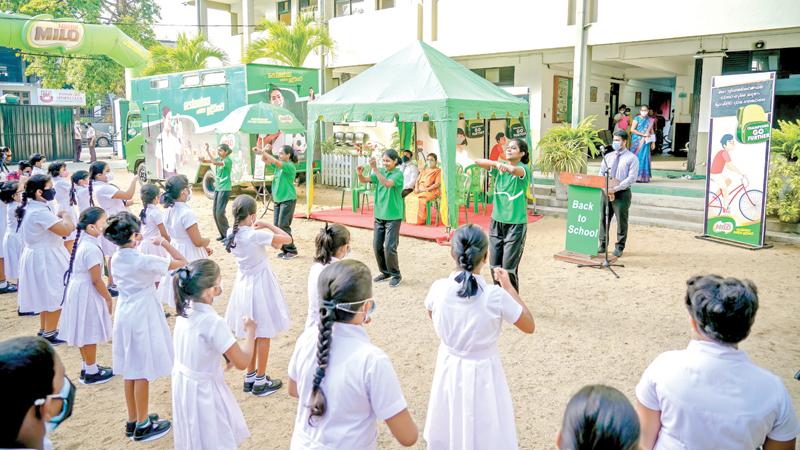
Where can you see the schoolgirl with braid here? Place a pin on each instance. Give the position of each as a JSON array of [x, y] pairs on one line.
[[113, 200], [44, 258], [333, 244], [152, 217], [11, 196], [79, 191], [204, 409], [62, 184], [86, 314], [256, 292], [5, 286], [470, 403], [345, 384]]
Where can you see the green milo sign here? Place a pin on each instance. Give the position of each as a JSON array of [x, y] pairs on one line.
[[583, 219]]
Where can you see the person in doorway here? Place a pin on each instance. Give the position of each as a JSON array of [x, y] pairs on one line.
[[388, 214], [641, 134], [77, 140], [91, 140], [621, 119], [622, 166], [509, 224], [410, 172], [498, 150], [222, 185], [723, 171]]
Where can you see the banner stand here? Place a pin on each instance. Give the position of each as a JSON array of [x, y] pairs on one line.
[[706, 237]]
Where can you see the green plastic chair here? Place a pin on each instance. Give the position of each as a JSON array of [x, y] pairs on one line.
[[475, 193], [358, 190], [433, 203], [462, 194]]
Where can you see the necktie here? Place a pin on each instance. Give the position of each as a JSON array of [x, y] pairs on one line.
[[615, 166]]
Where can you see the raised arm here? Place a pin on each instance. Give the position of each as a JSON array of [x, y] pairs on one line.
[[64, 227], [177, 260], [381, 179], [487, 164], [279, 237], [127, 194], [197, 239]]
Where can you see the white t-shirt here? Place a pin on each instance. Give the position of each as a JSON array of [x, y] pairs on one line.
[[179, 217], [410, 175], [312, 320], [201, 338], [153, 218], [62, 186], [90, 134], [711, 396], [35, 170], [36, 225], [360, 384], [249, 251], [470, 324], [104, 194]]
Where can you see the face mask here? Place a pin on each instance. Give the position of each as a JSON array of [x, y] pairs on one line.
[[643, 113], [189, 196], [346, 307], [617, 145], [217, 297], [109, 177], [406, 159], [64, 174], [67, 394], [49, 194]]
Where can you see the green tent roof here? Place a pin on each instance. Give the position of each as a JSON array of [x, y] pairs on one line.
[[416, 83]]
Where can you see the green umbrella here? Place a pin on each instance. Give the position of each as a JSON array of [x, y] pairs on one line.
[[260, 118]]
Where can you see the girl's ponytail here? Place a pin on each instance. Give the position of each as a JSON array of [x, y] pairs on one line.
[[20, 212], [328, 242], [172, 190], [318, 402], [243, 207], [95, 169], [189, 282], [469, 247], [230, 241], [34, 184], [148, 193], [76, 178]]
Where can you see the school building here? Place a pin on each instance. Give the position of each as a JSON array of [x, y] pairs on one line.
[[571, 58]]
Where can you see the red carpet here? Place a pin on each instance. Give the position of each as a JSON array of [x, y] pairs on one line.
[[439, 234]]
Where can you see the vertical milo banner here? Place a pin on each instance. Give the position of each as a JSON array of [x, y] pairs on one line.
[[738, 157]]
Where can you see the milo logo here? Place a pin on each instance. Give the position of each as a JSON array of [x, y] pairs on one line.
[[283, 118], [48, 33], [723, 227]]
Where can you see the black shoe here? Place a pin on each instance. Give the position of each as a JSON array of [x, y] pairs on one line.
[[381, 278], [617, 252], [40, 333], [99, 368], [102, 376], [130, 427], [8, 289], [395, 281], [113, 291], [220, 239], [287, 256], [248, 386], [54, 340], [270, 387], [25, 314], [155, 430], [601, 250]]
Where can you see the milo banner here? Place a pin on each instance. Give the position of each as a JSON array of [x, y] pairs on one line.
[[738, 157]]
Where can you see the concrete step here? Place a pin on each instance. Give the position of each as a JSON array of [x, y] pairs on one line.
[[646, 209]]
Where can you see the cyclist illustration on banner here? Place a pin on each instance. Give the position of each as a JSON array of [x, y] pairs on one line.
[[729, 192]]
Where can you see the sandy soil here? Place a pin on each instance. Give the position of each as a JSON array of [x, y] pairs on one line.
[[590, 328]]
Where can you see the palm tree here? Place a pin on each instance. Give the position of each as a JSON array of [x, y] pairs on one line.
[[189, 54], [289, 45]]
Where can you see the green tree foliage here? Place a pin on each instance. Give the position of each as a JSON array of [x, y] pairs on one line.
[[783, 190], [289, 45], [786, 139], [189, 53], [96, 75]]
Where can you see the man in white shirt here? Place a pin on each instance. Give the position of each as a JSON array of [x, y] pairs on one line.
[[76, 131], [711, 395], [410, 172], [92, 141]]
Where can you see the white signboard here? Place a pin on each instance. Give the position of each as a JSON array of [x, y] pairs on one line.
[[59, 97]]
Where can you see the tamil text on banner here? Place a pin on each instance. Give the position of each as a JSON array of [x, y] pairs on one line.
[[738, 157]]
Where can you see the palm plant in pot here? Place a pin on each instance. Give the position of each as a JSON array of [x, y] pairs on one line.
[[565, 148]]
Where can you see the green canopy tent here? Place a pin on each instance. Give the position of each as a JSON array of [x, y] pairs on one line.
[[416, 84]]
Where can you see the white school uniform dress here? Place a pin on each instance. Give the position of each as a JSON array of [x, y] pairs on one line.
[[63, 186], [179, 217], [12, 246], [4, 211], [360, 384], [256, 292], [104, 195], [312, 320], [43, 263], [85, 319], [142, 345], [153, 218], [38, 171], [470, 405], [82, 196], [711, 396], [204, 411]]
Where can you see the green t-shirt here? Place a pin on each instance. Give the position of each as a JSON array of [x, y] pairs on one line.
[[222, 175], [510, 202], [283, 183], [389, 201]]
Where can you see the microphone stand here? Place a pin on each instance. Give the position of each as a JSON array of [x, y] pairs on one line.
[[605, 263]]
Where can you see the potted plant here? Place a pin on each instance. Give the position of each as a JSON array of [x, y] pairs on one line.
[[565, 148]]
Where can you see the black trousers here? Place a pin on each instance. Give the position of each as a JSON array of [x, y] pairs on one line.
[[619, 207], [384, 243], [506, 244], [77, 143], [284, 213], [406, 192], [220, 204]]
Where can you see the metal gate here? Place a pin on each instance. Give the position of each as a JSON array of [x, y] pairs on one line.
[[28, 129]]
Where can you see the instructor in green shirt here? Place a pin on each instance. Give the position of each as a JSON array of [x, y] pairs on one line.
[[284, 193], [388, 183], [222, 185], [510, 208]]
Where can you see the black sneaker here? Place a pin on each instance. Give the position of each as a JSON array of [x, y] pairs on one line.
[[287, 256], [281, 255], [102, 376], [40, 333], [380, 278], [99, 368], [395, 281], [8, 289], [156, 429], [54, 340], [221, 238], [248, 386], [130, 427], [112, 290], [24, 314], [270, 387], [601, 250], [617, 252]]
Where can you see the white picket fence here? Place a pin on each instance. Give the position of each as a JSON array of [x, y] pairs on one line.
[[339, 170]]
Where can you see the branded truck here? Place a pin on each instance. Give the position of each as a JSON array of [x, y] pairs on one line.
[[171, 119]]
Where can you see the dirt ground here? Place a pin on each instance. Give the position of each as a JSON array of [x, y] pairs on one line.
[[590, 327]]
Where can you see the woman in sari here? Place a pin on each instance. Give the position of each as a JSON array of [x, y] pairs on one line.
[[641, 132], [426, 189]]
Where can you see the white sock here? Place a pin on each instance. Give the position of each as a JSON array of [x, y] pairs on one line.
[[262, 380], [83, 365], [92, 369], [3, 284], [250, 377]]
